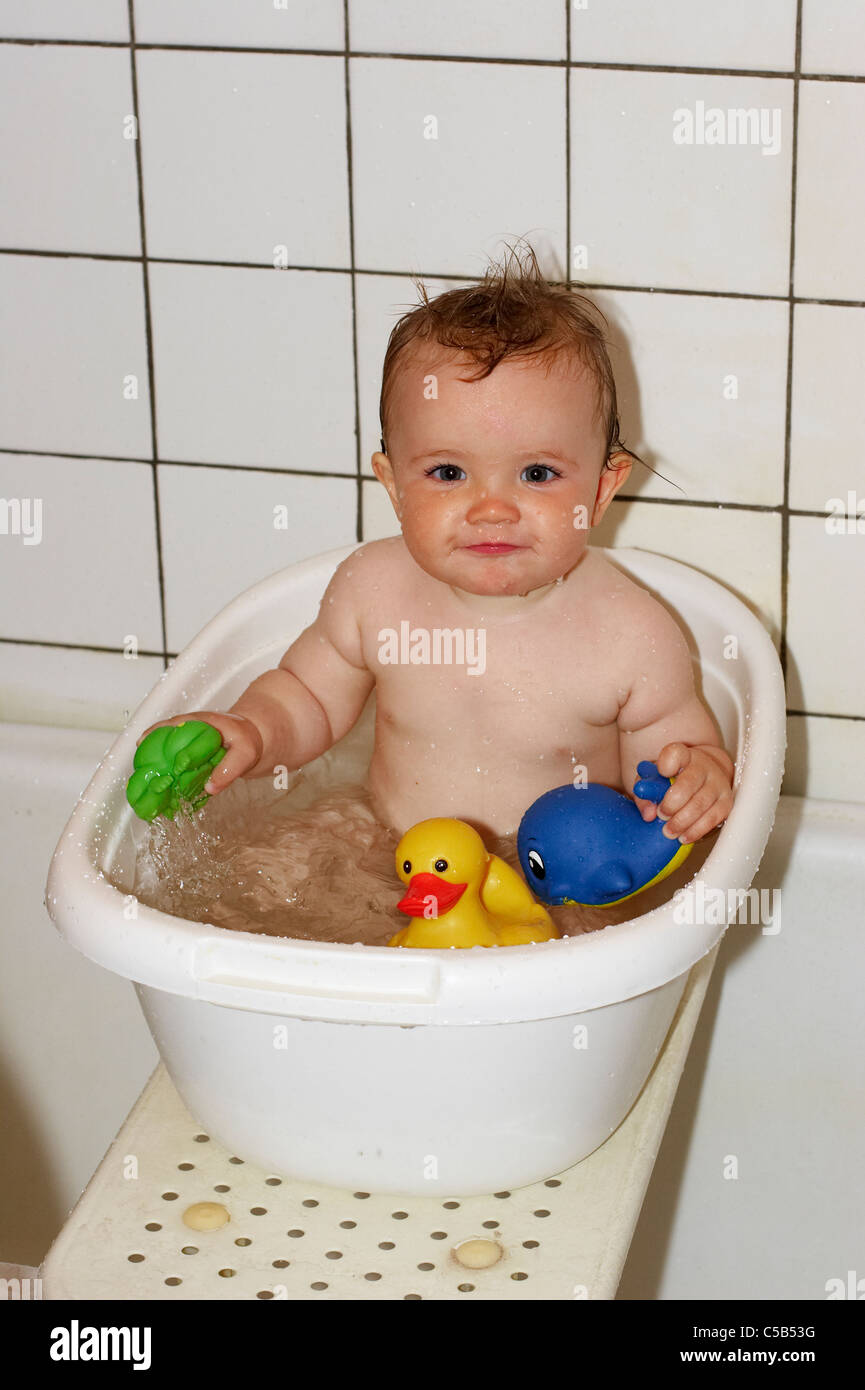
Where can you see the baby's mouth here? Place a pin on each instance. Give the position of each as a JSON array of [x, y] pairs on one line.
[[492, 548]]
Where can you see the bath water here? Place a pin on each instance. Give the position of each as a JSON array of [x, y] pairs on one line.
[[308, 861]]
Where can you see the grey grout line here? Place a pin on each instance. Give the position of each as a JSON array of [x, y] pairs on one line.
[[358, 519], [596, 286], [788, 404], [80, 647], [489, 60], [187, 463], [148, 330], [823, 714]]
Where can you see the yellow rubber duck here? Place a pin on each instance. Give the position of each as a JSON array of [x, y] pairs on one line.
[[460, 895]]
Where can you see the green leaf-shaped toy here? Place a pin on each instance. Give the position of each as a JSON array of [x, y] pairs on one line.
[[172, 765]]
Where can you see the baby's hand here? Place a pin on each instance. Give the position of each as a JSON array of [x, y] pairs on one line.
[[241, 737], [701, 796]]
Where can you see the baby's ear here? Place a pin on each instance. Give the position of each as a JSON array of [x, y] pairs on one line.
[[383, 470], [381, 466], [611, 479], [619, 459]]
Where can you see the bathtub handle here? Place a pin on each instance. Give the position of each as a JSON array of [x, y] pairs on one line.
[[229, 968]]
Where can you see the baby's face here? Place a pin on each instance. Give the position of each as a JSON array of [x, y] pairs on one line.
[[496, 482]]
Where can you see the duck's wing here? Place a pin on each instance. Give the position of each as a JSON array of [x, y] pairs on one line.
[[505, 895]]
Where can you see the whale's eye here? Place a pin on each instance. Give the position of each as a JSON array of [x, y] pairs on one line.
[[536, 864], [440, 865], [406, 866]]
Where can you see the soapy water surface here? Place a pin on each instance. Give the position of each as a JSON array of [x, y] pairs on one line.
[[311, 862]]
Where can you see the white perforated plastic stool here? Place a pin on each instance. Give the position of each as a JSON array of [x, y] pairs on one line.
[[565, 1238]]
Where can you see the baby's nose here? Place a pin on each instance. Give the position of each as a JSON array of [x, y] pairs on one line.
[[492, 507]]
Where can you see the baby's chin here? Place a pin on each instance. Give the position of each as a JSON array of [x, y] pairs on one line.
[[496, 576]]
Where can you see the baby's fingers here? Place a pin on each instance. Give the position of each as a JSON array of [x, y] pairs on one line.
[[233, 765], [243, 752], [673, 759], [699, 805], [710, 820], [686, 786]]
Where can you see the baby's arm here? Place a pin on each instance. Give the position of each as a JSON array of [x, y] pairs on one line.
[[290, 715], [315, 694], [664, 720]]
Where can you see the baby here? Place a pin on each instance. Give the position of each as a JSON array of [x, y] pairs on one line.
[[508, 656]]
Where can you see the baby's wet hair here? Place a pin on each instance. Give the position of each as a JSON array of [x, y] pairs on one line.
[[514, 311]]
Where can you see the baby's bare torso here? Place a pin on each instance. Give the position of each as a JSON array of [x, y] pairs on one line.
[[530, 696]]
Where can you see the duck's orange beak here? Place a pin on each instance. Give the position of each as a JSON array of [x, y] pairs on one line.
[[430, 896]]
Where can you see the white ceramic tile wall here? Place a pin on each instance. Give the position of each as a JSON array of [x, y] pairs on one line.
[[146, 402], [487, 139], [106, 20], [485, 28], [258, 523], [685, 33], [74, 155], [253, 367], [76, 687], [825, 757], [77, 567], [699, 216], [233, 142], [701, 384], [831, 210], [826, 456], [238, 24], [833, 37], [74, 377], [826, 669]]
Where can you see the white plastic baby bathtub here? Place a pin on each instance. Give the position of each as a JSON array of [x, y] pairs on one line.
[[368, 1068]]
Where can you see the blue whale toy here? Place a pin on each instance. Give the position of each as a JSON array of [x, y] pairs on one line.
[[589, 845]]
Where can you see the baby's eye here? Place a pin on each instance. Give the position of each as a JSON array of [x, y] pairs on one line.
[[536, 470], [447, 471]]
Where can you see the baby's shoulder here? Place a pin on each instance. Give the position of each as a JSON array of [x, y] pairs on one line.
[[354, 597], [631, 609], [369, 573]]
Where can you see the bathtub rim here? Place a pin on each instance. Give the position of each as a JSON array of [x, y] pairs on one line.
[[376, 984]]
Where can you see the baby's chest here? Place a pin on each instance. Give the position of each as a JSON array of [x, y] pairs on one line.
[[542, 689]]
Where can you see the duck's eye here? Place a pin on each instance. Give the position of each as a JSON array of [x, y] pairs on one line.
[[536, 864], [406, 866], [440, 865]]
